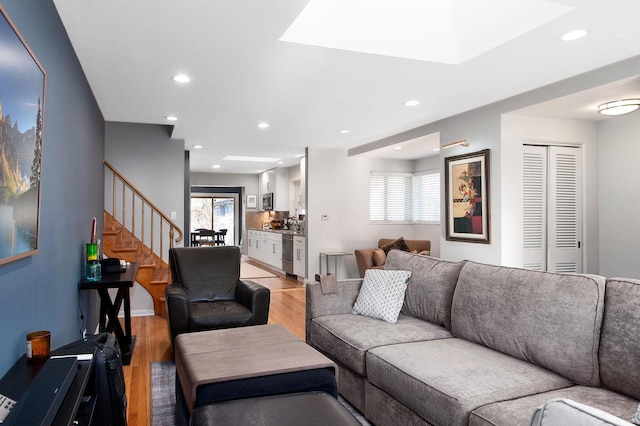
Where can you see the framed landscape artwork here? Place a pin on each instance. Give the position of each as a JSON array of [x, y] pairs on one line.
[[22, 88], [467, 197]]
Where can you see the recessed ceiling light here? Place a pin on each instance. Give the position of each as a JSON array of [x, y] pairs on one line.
[[344, 131], [263, 125], [412, 103], [254, 159], [573, 35], [280, 162], [397, 148], [624, 106], [196, 146], [216, 166], [171, 117], [181, 78]]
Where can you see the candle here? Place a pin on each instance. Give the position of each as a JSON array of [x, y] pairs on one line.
[[93, 231]]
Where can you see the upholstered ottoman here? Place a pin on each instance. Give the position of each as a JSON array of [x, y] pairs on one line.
[[221, 365], [309, 408]]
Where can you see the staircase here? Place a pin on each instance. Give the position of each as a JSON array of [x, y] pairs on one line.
[[137, 231]]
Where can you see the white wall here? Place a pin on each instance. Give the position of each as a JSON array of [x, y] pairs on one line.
[[338, 186], [518, 130], [619, 201]]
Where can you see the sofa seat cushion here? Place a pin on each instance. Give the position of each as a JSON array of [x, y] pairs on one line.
[[518, 412], [348, 337], [220, 314], [443, 381]]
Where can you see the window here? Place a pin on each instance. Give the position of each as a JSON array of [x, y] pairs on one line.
[[404, 197], [426, 197]]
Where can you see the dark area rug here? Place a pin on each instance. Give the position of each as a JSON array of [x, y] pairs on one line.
[[163, 399]]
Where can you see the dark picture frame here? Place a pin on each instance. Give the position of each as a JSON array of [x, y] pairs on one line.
[[22, 92], [467, 197]]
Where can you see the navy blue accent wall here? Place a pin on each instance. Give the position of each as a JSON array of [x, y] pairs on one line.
[[41, 292]]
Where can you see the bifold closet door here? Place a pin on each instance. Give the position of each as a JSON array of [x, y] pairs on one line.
[[552, 208]]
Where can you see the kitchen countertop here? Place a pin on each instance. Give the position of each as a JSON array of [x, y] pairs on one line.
[[280, 231]]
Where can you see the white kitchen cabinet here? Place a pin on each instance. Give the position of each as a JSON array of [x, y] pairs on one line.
[[299, 257], [266, 247], [277, 181]]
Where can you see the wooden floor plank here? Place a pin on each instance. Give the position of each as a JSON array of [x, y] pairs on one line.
[[152, 342]]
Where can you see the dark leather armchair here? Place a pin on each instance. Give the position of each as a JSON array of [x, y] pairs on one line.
[[207, 293]]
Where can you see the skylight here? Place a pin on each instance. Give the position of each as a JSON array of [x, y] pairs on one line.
[[450, 32]]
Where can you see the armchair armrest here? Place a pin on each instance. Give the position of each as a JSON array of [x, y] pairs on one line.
[[319, 304], [256, 298], [364, 259], [177, 310]]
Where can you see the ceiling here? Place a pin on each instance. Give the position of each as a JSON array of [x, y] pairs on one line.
[[243, 75]]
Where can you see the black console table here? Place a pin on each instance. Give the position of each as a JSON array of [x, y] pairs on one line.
[[57, 397], [109, 309]]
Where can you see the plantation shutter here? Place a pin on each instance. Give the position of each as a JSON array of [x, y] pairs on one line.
[[565, 213], [534, 168], [426, 197], [552, 208], [390, 197]]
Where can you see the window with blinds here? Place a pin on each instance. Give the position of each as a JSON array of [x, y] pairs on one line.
[[404, 197]]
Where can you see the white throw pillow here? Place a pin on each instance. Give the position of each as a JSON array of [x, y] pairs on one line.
[[382, 294]]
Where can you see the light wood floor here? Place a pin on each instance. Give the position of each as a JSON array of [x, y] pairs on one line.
[[152, 342]]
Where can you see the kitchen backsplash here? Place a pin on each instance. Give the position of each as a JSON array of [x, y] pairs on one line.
[[255, 220]]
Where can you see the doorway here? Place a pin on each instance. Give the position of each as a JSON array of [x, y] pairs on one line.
[[552, 208], [217, 211]]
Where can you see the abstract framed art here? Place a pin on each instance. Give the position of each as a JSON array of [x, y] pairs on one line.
[[22, 90], [467, 197]]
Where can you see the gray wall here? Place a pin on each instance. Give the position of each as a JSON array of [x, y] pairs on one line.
[[619, 228], [41, 292]]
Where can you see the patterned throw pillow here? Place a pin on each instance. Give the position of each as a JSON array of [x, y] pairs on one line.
[[399, 244], [382, 294]]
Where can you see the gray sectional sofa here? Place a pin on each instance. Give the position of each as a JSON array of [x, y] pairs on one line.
[[478, 344]]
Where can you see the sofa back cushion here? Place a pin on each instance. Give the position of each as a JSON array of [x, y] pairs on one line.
[[431, 286], [551, 320], [619, 340]]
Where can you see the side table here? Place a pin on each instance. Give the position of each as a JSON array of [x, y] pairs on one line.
[[336, 255], [109, 322]]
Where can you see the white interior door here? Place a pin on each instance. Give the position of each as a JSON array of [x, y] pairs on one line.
[[552, 228]]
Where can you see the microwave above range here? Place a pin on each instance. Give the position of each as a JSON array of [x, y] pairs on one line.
[[267, 201]]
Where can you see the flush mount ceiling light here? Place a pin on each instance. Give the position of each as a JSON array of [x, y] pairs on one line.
[[344, 131], [412, 103], [171, 118], [449, 32], [181, 78], [196, 146], [263, 125], [624, 106], [573, 35], [216, 166], [253, 159]]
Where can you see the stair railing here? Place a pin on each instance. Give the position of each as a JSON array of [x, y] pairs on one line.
[[138, 214]]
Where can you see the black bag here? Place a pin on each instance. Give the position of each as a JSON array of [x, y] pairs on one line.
[[111, 402]]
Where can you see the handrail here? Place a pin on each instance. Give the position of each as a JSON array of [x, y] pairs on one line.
[[155, 211]]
